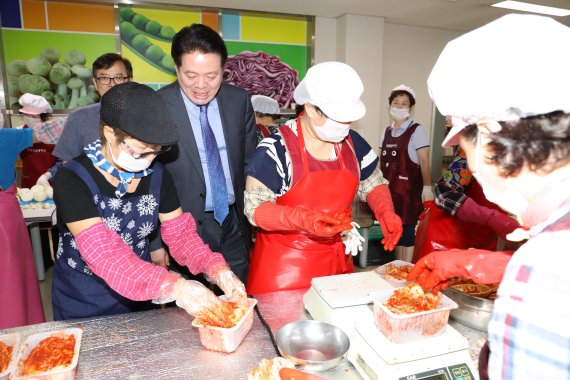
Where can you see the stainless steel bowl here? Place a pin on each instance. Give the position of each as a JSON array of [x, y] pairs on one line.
[[312, 345], [473, 312]]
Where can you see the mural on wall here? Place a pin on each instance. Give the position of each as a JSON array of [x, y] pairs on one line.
[[49, 49], [269, 54], [146, 36], [262, 74], [260, 60], [141, 35]]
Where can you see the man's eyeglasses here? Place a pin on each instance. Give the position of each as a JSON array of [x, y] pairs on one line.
[[132, 152], [107, 80]]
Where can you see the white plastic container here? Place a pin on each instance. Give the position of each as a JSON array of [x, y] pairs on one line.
[[383, 269], [404, 328], [67, 373], [10, 340], [226, 339]]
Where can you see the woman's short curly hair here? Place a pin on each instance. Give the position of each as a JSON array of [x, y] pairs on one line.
[[540, 142]]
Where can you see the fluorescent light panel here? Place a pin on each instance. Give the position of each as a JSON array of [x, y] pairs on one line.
[[533, 8]]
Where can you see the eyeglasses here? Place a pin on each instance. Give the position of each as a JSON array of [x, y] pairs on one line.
[[132, 152], [107, 80]]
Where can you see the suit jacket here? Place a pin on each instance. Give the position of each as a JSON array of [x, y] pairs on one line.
[[183, 162]]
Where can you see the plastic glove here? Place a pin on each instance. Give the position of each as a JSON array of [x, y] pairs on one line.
[[380, 201], [500, 223], [192, 296], [230, 284], [484, 267], [44, 179], [352, 240], [427, 194], [272, 217]]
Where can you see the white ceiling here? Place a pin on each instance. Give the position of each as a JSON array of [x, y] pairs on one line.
[[460, 15]]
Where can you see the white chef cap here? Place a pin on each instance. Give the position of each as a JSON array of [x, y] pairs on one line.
[[403, 87], [335, 88], [514, 67], [265, 105], [34, 104]]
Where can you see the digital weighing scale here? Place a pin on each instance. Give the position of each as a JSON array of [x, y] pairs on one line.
[[345, 301], [341, 299]]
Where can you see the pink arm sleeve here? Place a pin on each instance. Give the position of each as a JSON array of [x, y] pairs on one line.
[[186, 246], [116, 263]]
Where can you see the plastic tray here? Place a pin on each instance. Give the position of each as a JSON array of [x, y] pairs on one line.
[[381, 270], [67, 373], [404, 328], [226, 340], [11, 340]]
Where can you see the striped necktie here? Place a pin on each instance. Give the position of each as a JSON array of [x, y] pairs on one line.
[[215, 169]]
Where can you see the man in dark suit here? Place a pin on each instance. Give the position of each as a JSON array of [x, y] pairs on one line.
[[196, 99]]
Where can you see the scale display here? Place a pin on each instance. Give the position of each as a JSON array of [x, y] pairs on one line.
[[453, 372]]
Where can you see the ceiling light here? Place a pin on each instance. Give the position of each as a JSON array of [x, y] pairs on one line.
[[533, 8]]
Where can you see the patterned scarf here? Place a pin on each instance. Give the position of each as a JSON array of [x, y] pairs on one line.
[[93, 151]]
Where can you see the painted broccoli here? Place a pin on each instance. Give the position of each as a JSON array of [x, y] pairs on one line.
[[75, 57], [38, 66], [51, 54], [34, 84]]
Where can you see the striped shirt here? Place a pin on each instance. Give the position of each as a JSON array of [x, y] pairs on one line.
[[49, 131], [271, 164], [529, 334]]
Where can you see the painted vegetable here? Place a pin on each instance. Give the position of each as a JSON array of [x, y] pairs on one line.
[[51, 54], [263, 74], [47, 76], [59, 75], [34, 84]]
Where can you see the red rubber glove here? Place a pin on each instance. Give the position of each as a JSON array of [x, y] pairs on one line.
[[501, 223], [380, 201], [272, 217], [484, 267]]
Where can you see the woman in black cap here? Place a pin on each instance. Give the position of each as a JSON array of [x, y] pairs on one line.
[[110, 201]]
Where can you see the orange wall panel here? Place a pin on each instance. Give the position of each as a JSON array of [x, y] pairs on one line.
[[81, 17], [33, 14], [210, 18]]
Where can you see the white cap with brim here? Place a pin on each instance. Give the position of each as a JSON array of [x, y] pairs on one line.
[[34, 104], [514, 67], [335, 88]]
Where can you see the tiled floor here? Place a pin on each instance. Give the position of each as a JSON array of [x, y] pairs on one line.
[[45, 289]]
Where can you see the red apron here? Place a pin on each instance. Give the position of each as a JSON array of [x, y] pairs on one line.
[[403, 174], [36, 160], [264, 130], [289, 260], [19, 289], [438, 230]]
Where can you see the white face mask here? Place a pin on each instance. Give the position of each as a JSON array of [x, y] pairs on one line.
[[332, 131], [399, 113], [509, 200], [128, 162]]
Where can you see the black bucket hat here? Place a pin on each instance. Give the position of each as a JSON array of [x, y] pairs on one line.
[[139, 111]]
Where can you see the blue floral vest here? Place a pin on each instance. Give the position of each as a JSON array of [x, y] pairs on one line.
[[134, 218]]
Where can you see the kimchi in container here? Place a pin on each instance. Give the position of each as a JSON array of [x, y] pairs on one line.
[[226, 339], [49, 356], [9, 344], [404, 328], [395, 272]]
